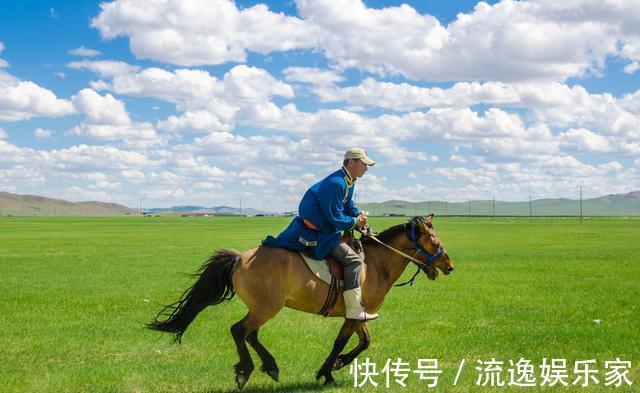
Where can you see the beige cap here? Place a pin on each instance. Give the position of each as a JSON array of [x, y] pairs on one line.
[[358, 153]]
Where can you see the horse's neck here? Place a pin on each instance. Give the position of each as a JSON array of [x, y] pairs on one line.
[[384, 266]]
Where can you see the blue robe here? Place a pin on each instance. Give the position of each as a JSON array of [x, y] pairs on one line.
[[328, 205]]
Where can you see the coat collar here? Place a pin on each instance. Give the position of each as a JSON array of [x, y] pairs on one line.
[[347, 177]]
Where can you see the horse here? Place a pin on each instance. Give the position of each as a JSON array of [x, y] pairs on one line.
[[268, 279]]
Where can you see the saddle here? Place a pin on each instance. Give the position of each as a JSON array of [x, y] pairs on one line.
[[331, 271]]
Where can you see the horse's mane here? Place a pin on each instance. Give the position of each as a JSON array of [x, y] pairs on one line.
[[391, 233]]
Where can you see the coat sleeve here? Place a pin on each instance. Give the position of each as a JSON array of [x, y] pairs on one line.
[[330, 197]]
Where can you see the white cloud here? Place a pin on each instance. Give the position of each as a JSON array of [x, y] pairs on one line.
[[183, 86], [584, 140], [207, 185], [3, 63], [314, 76], [101, 110], [104, 68], [164, 194], [109, 132], [94, 158], [209, 104], [251, 84], [20, 175], [42, 133], [194, 121], [23, 100], [78, 194], [132, 175], [84, 52], [201, 32], [613, 166], [527, 40]]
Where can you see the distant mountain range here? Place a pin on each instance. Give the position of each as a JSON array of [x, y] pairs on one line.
[[216, 210], [609, 205], [34, 205]]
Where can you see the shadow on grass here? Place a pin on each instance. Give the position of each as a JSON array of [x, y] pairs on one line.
[[286, 388]]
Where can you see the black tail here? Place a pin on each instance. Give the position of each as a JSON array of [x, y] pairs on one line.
[[213, 286]]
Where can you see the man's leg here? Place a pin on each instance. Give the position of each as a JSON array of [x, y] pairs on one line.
[[352, 264]]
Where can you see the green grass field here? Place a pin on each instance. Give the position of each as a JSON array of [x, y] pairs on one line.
[[75, 293]]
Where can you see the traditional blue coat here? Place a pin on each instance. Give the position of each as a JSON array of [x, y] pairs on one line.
[[328, 209]]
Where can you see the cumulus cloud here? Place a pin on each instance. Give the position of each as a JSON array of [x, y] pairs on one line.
[[94, 158], [104, 68], [3, 133], [110, 132], [84, 52], [194, 121], [101, 110], [493, 42], [182, 33], [311, 75], [3, 63], [42, 133], [209, 104], [584, 140], [23, 100]]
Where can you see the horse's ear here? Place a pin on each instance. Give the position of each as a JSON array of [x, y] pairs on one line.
[[424, 227], [429, 218]]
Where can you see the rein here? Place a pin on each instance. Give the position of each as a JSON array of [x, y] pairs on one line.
[[419, 250]]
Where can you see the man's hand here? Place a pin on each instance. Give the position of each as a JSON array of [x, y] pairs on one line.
[[362, 220]]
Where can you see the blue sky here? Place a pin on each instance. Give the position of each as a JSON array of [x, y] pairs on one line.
[[206, 101]]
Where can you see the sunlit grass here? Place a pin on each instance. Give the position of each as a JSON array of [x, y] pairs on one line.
[[76, 292]]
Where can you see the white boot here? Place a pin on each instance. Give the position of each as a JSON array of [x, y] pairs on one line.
[[353, 306]]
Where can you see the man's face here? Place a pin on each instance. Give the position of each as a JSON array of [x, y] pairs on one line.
[[358, 168]]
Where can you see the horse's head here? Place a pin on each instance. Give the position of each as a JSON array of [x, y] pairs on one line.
[[428, 246]]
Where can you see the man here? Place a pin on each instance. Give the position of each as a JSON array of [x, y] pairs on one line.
[[326, 210]]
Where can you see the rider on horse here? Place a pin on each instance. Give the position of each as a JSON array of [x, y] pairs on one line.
[[326, 210]]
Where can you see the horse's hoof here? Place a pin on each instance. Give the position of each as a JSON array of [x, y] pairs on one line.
[[273, 373], [241, 380], [330, 382]]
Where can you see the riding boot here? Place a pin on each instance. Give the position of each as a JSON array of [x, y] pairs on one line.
[[353, 306]]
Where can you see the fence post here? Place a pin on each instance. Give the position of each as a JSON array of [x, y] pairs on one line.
[[580, 204]]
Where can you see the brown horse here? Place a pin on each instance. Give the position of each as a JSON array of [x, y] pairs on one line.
[[268, 279]]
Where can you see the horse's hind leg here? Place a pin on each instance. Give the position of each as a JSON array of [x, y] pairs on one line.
[[269, 365], [241, 333], [244, 367], [363, 343], [347, 330]]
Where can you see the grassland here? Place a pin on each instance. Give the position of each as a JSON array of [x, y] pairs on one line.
[[75, 293]]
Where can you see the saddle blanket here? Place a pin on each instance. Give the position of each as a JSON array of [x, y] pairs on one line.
[[318, 267]]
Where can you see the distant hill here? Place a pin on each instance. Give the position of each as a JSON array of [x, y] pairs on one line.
[[34, 205], [216, 210], [609, 205]]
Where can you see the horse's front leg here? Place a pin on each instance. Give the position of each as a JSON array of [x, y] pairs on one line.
[[363, 343], [347, 330]]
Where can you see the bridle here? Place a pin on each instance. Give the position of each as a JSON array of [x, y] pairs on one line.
[[418, 250]]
